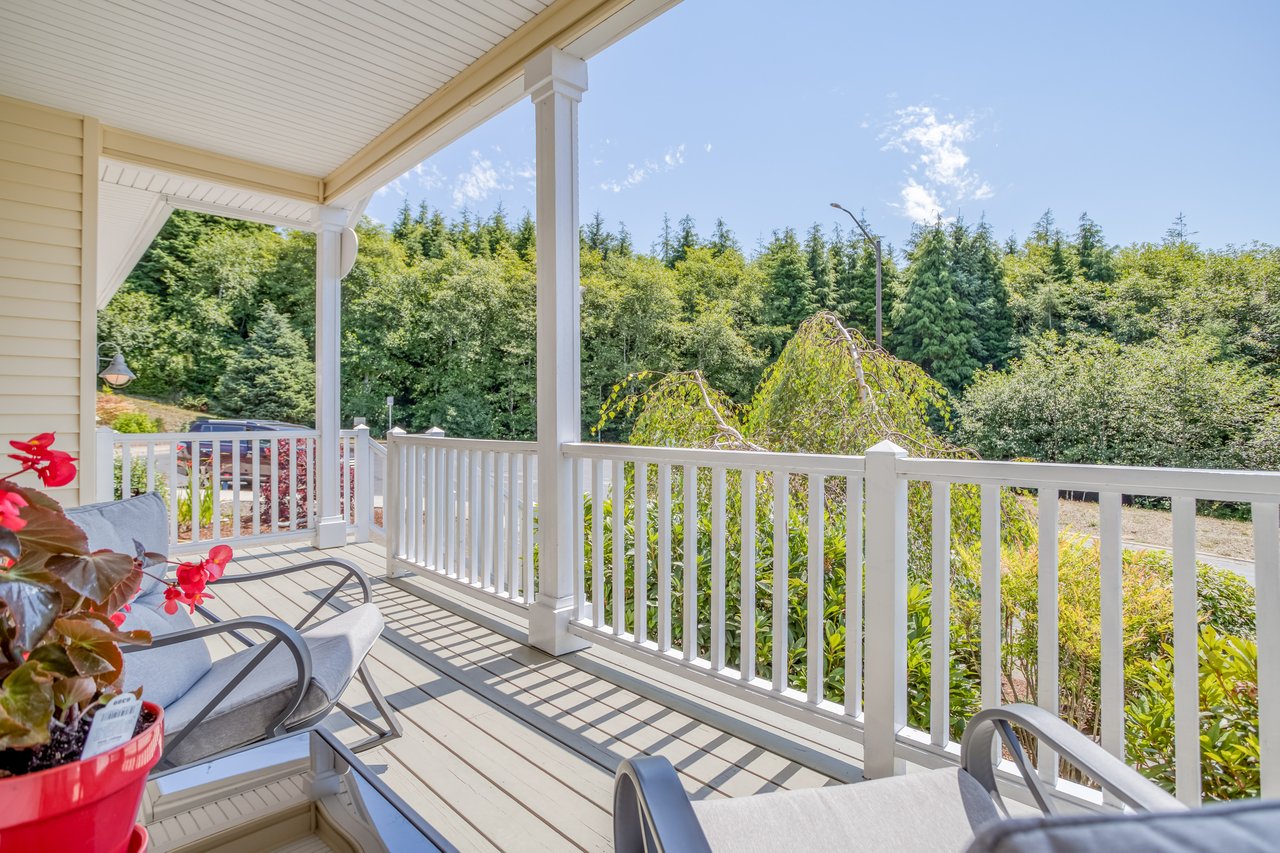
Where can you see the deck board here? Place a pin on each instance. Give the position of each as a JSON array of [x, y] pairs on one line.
[[506, 748]]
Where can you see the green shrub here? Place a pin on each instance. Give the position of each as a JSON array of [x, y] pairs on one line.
[[134, 422], [1229, 749], [138, 479]]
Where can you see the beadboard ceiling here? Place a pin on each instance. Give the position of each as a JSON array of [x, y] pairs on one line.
[[294, 84]]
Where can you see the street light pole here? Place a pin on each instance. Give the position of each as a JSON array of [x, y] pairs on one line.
[[875, 241]]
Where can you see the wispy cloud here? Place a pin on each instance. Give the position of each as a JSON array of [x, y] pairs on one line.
[[639, 173], [423, 177], [939, 176], [480, 181]]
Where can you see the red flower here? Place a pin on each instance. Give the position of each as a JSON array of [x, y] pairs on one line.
[[172, 596], [10, 505], [216, 563], [192, 577], [117, 618], [53, 467]]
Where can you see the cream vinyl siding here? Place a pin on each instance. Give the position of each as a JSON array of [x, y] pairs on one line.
[[46, 310]]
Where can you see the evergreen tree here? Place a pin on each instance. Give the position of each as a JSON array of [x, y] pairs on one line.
[[434, 236], [722, 239], [525, 239], [666, 247], [930, 326], [788, 290], [1093, 256], [686, 239], [624, 240], [978, 280], [856, 285], [271, 376], [404, 223], [819, 261], [594, 235]]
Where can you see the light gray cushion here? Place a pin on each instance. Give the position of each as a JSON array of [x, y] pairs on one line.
[[937, 810], [337, 645], [163, 674], [117, 524], [1247, 827]]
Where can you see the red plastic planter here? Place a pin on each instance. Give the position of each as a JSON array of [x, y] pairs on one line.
[[87, 806]]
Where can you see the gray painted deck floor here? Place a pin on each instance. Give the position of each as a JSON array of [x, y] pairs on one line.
[[506, 748]]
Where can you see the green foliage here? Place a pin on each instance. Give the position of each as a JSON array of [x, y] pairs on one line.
[[134, 422], [271, 376], [1229, 745], [1086, 399], [931, 326]]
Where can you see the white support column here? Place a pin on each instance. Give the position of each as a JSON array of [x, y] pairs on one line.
[[363, 497], [555, 82], [331, 526], [885, 687]]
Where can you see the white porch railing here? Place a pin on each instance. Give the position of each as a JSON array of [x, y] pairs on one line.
[[458, 510], [244, 487], [463, 510]]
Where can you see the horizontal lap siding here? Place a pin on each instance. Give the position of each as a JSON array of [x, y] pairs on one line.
[[42, 164]]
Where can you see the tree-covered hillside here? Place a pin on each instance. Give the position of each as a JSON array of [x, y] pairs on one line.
[[440, 314]]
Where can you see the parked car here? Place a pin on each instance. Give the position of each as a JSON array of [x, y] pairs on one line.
[[244, 451]]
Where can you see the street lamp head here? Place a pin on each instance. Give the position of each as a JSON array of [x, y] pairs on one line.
[[117, 374]]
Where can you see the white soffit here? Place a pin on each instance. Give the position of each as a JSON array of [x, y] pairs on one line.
[[296, 84], [135, 202]]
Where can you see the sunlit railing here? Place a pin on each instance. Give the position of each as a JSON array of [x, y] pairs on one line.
[[239, 487], [676, 553]]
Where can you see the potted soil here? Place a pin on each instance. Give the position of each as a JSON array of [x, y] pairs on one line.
[[75, 747]]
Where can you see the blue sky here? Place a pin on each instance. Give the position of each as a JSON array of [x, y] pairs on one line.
[[762, 113]]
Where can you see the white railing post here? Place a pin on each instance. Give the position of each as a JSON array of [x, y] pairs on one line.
[[393, 502], [555, 82], [106, 459], [885, 676], [363, 510]]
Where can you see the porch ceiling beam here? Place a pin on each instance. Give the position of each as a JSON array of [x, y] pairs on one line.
[[492, 81], [136, 148]]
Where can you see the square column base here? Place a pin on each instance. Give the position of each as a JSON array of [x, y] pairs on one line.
[[549, 626], [330, 533]]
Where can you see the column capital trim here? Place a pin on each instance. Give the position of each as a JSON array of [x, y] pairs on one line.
[[555, 72], [328, 218]]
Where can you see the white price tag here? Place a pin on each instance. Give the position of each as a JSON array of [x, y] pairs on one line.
[[112, 725]]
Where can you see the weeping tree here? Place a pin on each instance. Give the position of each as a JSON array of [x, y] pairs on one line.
[[830, 391]]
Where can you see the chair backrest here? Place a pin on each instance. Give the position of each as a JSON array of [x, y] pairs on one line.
[[163, 674], [123, 525], [1240, 827]]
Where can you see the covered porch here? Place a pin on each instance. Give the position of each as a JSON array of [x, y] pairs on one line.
[[508, 748]]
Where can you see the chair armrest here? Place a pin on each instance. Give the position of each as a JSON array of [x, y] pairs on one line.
[[651, 812], [280, 633], [351, 570], [978, 758]]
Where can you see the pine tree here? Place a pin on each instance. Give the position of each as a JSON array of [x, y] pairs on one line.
[[1094, 256], [686, 239], [930, 327], [594, 235], [526, 237], [788, 292], [666, 247], [819, 263], [978, 280], [404, 223], [856, 286], [434, 236], [271, 377], [624, 240], [722, 239]]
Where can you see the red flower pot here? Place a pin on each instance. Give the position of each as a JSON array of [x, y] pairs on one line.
[[88, 805]]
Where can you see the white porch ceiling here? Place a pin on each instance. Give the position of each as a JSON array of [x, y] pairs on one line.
[[295, 84]]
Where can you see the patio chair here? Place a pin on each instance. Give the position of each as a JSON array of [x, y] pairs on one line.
[[287, 683], [952, 809]]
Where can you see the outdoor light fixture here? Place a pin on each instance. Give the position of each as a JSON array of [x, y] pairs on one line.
[[116, 374], [876, 242]]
